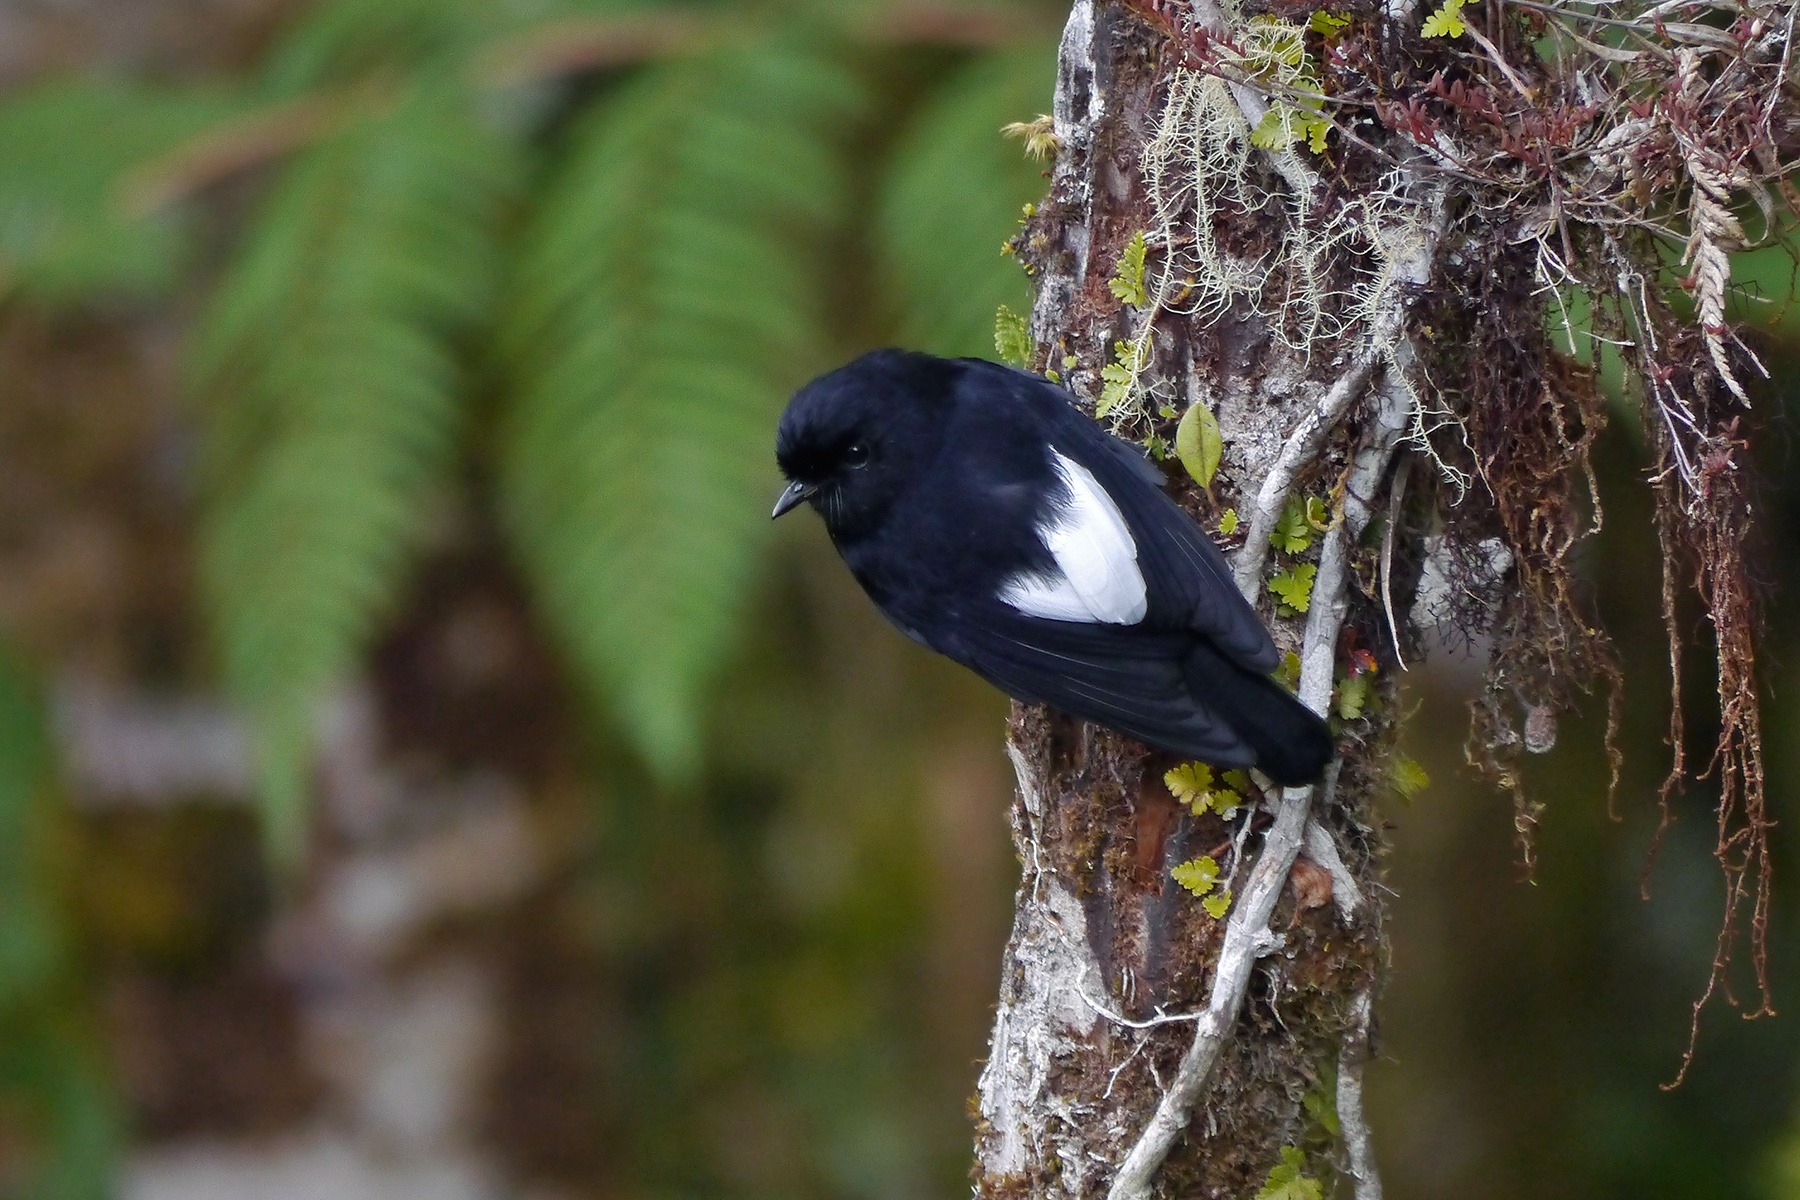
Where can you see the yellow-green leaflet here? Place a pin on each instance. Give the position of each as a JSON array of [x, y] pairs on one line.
[[1446, 21], [1198, 443]]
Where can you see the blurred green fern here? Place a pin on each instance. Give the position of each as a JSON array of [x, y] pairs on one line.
[[333, 396], [663, 295], [62, 1126], [344, 41], [71, 228], [347, 41], [953, 195], [665, 303]]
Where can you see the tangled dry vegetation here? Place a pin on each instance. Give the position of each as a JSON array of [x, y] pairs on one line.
[[1602, 163]]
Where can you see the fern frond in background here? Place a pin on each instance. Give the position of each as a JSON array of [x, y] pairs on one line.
[[666, 303], [347, 40], [953, 195], [62, 1127], [344, 41], [69, 229], [333, 398]]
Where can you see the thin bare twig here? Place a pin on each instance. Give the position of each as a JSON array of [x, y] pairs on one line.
[[1247, 934], [1358, 1141], [1300, 450]]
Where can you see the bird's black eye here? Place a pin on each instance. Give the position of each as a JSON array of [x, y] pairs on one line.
[[856, 455]]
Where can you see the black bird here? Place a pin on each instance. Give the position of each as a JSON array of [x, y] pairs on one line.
[[996, 523]]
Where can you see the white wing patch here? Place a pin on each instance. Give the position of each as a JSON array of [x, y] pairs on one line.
[[1096, 576]]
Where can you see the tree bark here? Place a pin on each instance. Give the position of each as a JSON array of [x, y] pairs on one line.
[[1141, 1044]]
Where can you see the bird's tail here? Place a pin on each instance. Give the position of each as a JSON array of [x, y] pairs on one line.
[[1292, 743]]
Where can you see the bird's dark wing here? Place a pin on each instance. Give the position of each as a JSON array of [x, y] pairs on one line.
[[1189, 584], [1187, 578], [1123, 677]]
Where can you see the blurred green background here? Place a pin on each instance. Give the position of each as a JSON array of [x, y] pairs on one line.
[[425, 772]]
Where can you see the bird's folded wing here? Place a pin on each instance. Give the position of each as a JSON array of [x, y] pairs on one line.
[[1189, 584], [1188, 581], [1128, 680]]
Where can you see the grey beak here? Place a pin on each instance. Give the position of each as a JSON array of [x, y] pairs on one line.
[[792, 496]]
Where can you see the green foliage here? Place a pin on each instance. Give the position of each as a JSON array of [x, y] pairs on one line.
[[75, 219], [1288, 671], [1408, 777], [1328, 23], [953, 195], [62, 1129], [1228, 522], [1127, 282], [1288, 1179], [1012, 337], [1320, 1102], [1118, 378], [328, 374], [1199, 444], [1197, 875], [1353, 695], [1446, 20], [29, 953], [1189, 783], [663, 303], [1293, 533], [662, 310], [1293, 588], [1286, 125], [1217, 905], [1192, 784], [1275, 52], [343, 42]]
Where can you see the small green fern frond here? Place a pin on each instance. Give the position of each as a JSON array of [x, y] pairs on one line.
[[68, 150], [332, 399], [954, 195], [665, 305]]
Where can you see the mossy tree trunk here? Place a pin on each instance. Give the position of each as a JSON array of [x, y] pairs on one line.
[[1341, 237], [1143, 1045]]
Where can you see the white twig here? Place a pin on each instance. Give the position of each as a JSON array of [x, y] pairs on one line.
[[1383, 342], [1246, 937], [1247, 934], [1322, 849], [1395, 494], [1358, 1142], [1499, 60], [1112, 1078], [1151, 1022], [1299, 451]]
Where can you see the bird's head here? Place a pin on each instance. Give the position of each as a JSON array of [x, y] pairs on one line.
[[852, 440]]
